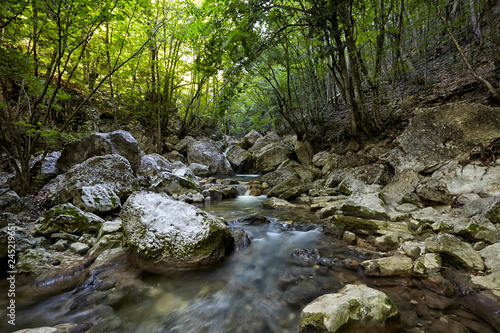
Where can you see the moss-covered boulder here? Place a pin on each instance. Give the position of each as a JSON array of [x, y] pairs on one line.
[[166, 182], [365, 203], [97, 199], [477, 229], [355, 308], [68, 218], [166, 234]]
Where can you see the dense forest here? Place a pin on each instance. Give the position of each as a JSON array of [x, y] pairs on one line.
[[314, 68]]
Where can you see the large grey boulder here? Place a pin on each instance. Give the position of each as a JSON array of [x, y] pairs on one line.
[[261, 142], [112, 172], [166, 234], [304, 151], [439, 134], [452, 247], [99, 144], [370, 174], [251, 138], [68, 218], [355, 308], [280, 176], [474, 178], [204, 152], [97, 199], [153, 164], [241, 160], [166, 182], [271, 156]]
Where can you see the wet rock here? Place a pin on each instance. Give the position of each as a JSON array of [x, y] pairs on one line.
[[356, 307], [439, 134], [253, 219], [305, 257], [117, 142], [97, 199], [278, 204], [168, 234], [200, 169], [153, 164], [289, 193], [111, 171], [390, 266], [68, 218], [365, 204], [206, 153], [229, 192], [452, 247], [349, 237], [241, 239], [432, 189], [61, 328], [477, 229]]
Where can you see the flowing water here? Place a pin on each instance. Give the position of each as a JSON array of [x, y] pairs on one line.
[[261, 288]]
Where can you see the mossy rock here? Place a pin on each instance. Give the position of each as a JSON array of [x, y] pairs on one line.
[[68, 218]]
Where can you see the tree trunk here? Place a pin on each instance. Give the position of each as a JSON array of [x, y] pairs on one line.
[[495, 43], [488, 85], [108, 60]]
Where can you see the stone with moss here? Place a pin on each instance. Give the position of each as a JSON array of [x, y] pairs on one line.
[[455, 250], [166, 234], [355, 308], [68, 218], [97, 199], [478, 229]]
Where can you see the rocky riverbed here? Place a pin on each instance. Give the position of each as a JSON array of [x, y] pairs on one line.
[[419, 218]]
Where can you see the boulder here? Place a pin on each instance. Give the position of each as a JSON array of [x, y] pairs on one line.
[[304, 151], [200, 169], [240, 159], [370, 174], [97, 199], [261, 142], [68, 218], [183, 145], [253, 219], [320, 159], [112, 172], [365, 203], [452, 247], [251, 138], [207, 153], [10, 202], [490, 255], [277, 190], [477, 229], [433, 189], [390, 266], [117, 142], [166, 182], [474, 178], [278, 204], [153, 164], [280, 176], [271, 156], [168, 235], [403, 183], [355, 308], [439, 134], [492, 211]]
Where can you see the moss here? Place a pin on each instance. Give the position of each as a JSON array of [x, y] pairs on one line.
[[316, 320]]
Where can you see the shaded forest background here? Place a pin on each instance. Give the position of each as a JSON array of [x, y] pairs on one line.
[[326, 71]]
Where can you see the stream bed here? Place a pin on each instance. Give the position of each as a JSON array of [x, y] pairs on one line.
[[261, 288]]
